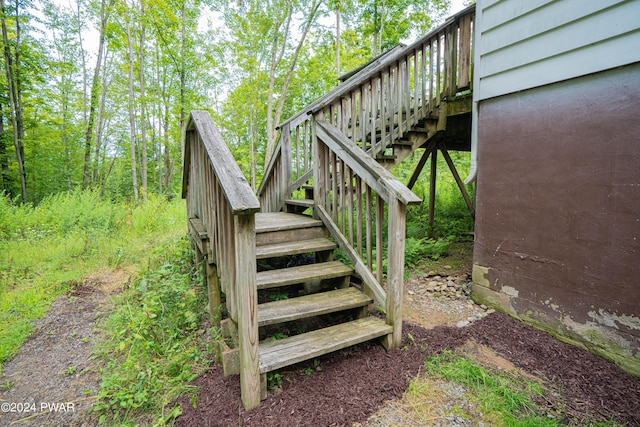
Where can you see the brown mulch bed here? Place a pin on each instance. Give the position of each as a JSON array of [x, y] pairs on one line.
[[355, 383]]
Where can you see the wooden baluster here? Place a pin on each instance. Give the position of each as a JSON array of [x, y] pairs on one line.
[[431, 77], [297, 151], [353, 134], [369, 220], [390, 110], [407, 92], [359, 214], [350, 202], [438, 52], [374, 112], [379, 242], [307, 144], [399, 101], [423, 73], [334, 186], [384, 94], [416, 87]]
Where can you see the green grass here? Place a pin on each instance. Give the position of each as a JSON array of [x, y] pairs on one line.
[[46, 249], [503, 398], [153, 345]]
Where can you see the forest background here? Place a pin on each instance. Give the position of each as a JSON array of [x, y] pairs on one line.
[[96, 93]]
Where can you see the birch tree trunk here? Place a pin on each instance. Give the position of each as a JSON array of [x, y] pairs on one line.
[[143, 112], [105, 10], [132, 121]]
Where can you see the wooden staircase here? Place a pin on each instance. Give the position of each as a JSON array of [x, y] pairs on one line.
[[317, 288], [331, 163]]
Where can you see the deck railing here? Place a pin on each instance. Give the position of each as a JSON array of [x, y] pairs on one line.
[[220, 197], [353, 195], [378, 105]]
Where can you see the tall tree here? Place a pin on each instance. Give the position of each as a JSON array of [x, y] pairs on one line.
[[105, 10], [12, 69]]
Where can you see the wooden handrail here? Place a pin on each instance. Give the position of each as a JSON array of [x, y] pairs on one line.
[[374, 174], [239, 194], [352, 189], [376, 67], [379, 104], [219, 195]]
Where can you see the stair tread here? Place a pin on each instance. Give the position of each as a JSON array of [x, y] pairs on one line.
[[278, 221], [278, 354], [300, 202], [301, 274], [294, 248], [311, 305]]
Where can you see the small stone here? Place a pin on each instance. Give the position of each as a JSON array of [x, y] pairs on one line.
[[471, 318], [490, 311], [433, 284], [431, 273], [462, 323], [448, 267], [482, 306], [410, 292], [478, 316]]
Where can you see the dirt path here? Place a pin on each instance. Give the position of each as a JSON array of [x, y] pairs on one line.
[[54, 381]]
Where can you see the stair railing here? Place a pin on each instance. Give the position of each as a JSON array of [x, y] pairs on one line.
[[379, 105], [353, 194], [218, 194]]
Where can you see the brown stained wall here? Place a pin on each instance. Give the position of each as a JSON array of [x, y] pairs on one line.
[[558, 210]]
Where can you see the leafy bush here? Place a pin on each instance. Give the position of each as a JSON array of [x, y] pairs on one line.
[[153, 346]]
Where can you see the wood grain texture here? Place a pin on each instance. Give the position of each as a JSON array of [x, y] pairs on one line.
[[311, 305], [302, 274], [279, 221], [278, 354], [294, 248]]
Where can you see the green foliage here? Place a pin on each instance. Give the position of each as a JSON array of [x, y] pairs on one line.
[[152, 345], [46, 248], [504, 398]]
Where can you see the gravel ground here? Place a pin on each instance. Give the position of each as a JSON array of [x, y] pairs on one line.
[[54, 381]]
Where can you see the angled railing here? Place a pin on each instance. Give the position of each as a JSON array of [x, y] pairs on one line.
[[221, 201], [356, 198], [379, 105]]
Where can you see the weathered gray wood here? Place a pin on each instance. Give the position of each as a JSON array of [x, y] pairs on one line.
[[279, 221], [376, 176], [245, 246], [278, 354], [311, 305], [293, 248], [213, 290], [290, 235], [373, 286], [305, 203], [395, 272], [456, 176], [302, 274], [241, 198]]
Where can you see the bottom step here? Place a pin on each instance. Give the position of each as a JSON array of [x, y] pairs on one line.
[[278, 354]]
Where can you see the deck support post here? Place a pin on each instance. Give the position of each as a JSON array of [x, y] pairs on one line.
[[432, 188], [213, 290], [245, 246], [456, 176], [423, 160]]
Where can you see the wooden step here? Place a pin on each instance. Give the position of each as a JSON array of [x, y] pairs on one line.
[[281, 227], [278, 354], [280, 221], [311, 305], [294, 248], [301, 274], [307, 203]]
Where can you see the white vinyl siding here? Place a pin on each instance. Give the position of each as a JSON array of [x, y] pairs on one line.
[[521, 44]]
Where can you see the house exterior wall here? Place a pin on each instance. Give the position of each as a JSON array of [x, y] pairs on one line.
[[557, 133], [558, 210], [523, 44]]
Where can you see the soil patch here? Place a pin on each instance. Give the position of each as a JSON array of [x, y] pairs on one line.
[[353, 384]]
